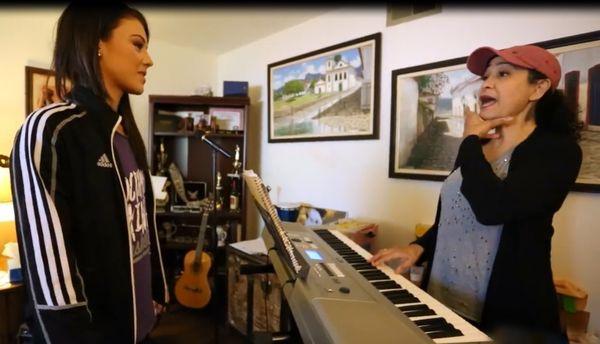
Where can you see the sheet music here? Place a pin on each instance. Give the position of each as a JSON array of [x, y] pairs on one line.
[[260, 194], [255, 246]]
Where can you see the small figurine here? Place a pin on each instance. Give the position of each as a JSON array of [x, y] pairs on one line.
[[162, 159], [219, 188], [236, 163]]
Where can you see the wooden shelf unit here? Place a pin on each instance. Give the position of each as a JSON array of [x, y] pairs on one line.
[[194, 157]]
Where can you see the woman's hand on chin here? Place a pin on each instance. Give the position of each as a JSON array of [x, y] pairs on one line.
[[475, 125]]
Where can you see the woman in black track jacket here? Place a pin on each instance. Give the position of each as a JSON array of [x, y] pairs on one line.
[[82, 192]]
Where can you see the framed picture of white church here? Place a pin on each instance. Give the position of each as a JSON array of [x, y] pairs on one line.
[[327, 94], [428, 102]]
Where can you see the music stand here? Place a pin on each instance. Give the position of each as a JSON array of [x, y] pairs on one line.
[[293, 260]]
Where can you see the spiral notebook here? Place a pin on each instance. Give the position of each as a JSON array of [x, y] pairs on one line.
[[283, 244]]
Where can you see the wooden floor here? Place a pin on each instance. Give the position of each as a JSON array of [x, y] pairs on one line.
[[183, 325], [199, 326], [208, 325]]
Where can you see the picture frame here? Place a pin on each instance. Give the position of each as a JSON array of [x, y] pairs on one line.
[[428, 101], [195, 190], [39, 88], [327, 94], [205, 117], [227, 119]]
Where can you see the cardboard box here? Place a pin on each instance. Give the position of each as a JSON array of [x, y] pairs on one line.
[[575, 323], [573, 298], [573, 317]]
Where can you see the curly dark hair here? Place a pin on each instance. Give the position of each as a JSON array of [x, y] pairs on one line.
[[554, 112]]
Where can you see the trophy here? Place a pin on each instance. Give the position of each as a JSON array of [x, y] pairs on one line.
[[161, 157], [234, 196], [219, 189], [161, 204], [237, 164]]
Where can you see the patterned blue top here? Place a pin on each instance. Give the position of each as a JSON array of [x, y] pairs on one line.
[[465, 249]]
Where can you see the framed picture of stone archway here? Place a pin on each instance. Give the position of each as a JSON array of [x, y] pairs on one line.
[[327, 94], [428, 102], [427, 123]]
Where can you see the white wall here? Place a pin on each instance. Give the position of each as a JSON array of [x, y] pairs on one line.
[[353, 175], [176, 71], [27, 38]]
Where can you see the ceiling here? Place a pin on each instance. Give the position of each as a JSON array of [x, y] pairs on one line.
[[220, 29]]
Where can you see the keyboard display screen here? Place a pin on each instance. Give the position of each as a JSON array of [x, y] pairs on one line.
[[314, 255]]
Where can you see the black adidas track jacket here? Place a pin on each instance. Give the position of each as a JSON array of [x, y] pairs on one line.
[[72, 226]]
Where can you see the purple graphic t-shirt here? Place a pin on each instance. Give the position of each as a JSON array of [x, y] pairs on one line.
[[139, 236]]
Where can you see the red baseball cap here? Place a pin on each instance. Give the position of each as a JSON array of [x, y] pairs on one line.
[[526, 56]]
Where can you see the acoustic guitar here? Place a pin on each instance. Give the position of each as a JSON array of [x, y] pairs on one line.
[[192, 289]]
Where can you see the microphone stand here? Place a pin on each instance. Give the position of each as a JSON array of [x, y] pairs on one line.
[[215, 149]]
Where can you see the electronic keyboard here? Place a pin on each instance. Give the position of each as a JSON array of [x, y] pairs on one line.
[[344, 299]]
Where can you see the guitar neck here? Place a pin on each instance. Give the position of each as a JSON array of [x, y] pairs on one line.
[[200, 244]]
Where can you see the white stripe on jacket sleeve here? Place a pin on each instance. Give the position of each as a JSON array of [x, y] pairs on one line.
[[38, 199]]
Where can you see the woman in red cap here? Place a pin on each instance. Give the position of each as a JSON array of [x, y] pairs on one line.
[[488, 251]]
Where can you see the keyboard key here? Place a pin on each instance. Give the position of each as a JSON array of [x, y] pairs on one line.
[[419, 313], [445, 334], [381, 285], [413, 307], [401, 292], [400, 300], [374, 276], [363, 266], [430, 321]]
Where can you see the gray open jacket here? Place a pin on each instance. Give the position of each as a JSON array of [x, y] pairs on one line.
[[72, 228]]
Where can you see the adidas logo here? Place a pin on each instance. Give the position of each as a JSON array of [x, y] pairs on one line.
[[104, 162]]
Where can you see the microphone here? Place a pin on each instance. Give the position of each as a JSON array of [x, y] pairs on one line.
[[216, 146]]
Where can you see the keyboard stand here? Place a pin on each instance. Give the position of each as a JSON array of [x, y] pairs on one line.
[[286, 323]]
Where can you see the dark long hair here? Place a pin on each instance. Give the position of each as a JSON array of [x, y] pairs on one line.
[[554, 112], [80, 28]]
